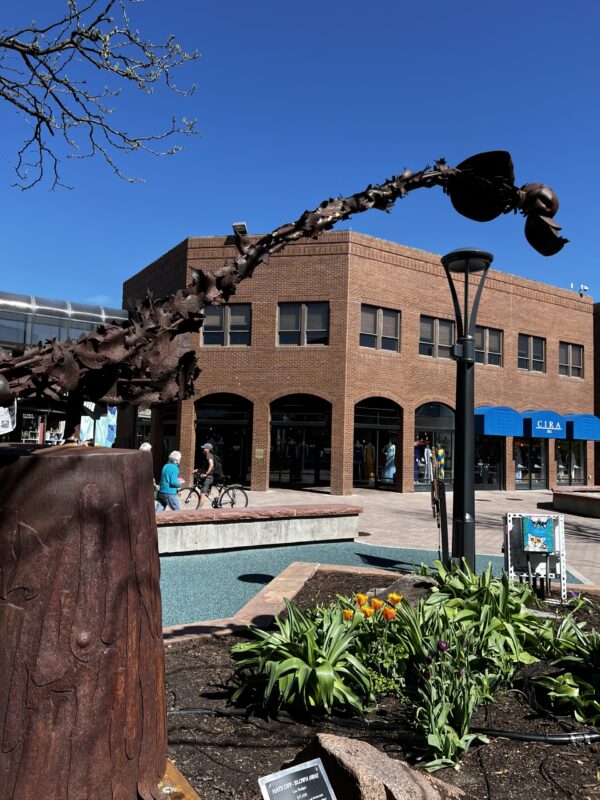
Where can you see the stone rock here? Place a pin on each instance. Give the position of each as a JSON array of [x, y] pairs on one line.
[[358, 771], [412, 587]]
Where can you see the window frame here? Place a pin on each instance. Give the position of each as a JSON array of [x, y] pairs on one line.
[[529, 358], [568, 365], [435, 344], [226, 329], [379, 337], [304, 307], [486, 346]]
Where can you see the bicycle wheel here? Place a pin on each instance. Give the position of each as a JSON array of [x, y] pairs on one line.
[[231, 497], [189, 498]]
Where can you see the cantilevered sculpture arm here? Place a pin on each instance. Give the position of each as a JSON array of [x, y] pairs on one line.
[[150, 359]]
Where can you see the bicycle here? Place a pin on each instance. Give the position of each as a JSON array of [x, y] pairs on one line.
[[229, 494]]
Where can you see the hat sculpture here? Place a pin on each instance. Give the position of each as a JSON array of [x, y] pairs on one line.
[[150, 359]]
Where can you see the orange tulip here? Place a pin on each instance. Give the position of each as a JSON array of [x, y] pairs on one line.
[[389, 613], [361, 599], [376, 603], [394, 598], [367, 611], [347, 613]]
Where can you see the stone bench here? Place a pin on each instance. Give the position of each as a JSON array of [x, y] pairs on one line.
[[210, 529], [584, 500]]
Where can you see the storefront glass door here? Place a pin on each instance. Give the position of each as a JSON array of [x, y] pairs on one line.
[[377, 450], [531, 463], [225, 420], [434, 445], [570, 462], [300, 442], [489, 462]]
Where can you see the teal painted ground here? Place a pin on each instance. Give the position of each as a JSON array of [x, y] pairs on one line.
[[215, 585]]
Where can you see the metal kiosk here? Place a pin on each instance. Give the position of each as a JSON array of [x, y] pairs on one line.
[[534, 550]]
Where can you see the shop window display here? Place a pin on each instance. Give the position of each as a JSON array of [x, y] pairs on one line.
[[531, 463], [376, 449], [570, 462], [433, 444]]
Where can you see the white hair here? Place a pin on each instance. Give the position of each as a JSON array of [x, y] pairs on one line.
[[175, 457], [145, 447]]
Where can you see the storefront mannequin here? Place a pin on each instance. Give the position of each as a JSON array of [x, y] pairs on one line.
[[440, 456], [428, 456], [358, 460], [369, 460], [389, 468]]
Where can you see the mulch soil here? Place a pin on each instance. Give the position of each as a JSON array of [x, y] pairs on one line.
[[222, 751]]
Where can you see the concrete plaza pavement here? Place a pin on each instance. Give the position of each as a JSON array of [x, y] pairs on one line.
[[392, 519]]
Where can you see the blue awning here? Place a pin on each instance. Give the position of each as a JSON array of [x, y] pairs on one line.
[[583, 426], [545, 424], [498, 421]]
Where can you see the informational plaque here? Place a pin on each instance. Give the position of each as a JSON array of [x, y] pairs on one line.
[[307, 781]]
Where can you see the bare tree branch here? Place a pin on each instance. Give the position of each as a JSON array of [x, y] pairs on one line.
[[47, 75]]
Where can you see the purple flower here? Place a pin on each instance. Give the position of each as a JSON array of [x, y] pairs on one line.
[[442, 646], [429, 659], [426, 674]]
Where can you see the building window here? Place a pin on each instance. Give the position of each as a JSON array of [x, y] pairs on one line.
[[488, 346], [379, 328], [44, 328], [532, 353], [227, 325], [436, 337], [13, 330], [570, 359], [303, 323]]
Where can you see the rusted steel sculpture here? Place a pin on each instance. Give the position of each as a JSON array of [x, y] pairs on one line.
[[151, 359], [81, 662]]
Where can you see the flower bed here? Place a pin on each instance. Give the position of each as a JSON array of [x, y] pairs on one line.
[[230, 745]]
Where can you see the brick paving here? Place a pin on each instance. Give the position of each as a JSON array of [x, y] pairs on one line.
[[392, 519]]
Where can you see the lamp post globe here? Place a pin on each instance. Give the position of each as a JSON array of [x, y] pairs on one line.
[[465, 262]]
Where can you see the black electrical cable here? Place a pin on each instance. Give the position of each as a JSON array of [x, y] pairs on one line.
[[207, 712], [547, 738]]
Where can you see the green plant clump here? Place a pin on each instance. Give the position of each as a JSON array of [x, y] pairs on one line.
[[443, 659]]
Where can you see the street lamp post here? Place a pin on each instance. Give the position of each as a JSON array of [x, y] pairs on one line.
[[465, 262]]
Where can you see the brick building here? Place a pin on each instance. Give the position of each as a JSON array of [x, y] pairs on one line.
[[331, 366]]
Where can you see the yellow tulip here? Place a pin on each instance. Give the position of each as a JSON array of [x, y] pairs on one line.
[[376, 603], [394, 598], [367, 611], [347, 613], [361, 599]]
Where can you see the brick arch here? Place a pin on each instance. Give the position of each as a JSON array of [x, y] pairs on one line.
[[373, 395], [233, 393], [426, 400], [300, 390]]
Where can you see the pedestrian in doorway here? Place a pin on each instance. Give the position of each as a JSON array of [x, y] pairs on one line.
[[169, 484]]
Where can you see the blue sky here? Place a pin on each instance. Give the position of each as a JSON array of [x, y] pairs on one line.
[[297, 106]]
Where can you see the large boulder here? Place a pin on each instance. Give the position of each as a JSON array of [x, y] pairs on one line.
[[358, 771]]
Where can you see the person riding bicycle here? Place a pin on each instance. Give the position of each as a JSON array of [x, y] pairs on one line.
[[212, 473]]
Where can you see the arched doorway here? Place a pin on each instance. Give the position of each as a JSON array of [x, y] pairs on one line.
[[434, 444], [225, 420], [300, 441], [377, 453]]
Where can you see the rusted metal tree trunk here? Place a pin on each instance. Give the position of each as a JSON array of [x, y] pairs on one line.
[[81, 652]]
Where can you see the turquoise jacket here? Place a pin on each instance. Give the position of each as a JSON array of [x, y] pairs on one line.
[[169, 479]]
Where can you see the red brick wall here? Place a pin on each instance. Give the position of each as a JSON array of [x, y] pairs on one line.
[[347, 269]]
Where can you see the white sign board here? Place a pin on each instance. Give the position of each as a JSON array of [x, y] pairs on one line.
[[307, 781]]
